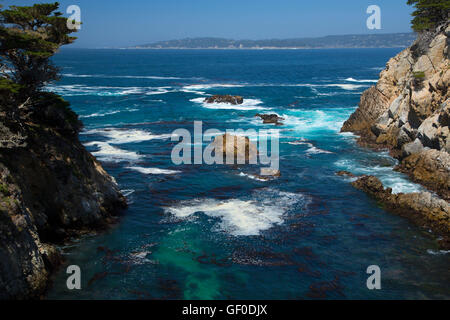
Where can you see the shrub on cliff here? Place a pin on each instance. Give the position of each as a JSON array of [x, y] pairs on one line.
[[429, 13], [29, 36]]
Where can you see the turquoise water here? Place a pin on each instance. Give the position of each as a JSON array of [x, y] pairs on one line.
[[216, 231]]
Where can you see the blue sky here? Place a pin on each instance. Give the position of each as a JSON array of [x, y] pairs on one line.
[[116, 23]]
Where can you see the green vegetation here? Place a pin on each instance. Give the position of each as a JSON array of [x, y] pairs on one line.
[[4, 189], [419, 75], [29, 36], [429, 13]]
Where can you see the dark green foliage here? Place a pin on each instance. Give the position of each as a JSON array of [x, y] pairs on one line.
[[9, 91], [429, 13], [4, 190], [419, 75], [56, 112], [29, 36]]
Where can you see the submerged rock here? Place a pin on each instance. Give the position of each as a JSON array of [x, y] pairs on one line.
[[345, 173], [423, 208], [225, 99]]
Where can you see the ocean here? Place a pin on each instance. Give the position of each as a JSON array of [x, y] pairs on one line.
[[197, 231]]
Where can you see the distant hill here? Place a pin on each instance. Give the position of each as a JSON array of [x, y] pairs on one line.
[[392, 40]]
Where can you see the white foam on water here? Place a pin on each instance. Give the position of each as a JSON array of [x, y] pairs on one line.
[[83, 90], [437, 252], [248, 104], [311, 150], [153, 170], [121, 136], [355, 80], [251, 176], [211, 86], [160, 90], [242, 217], [108, 153], [346, 86], [127, 192], [71, 75], [390, 178], [309, 120], [98, 114], [315, 150]]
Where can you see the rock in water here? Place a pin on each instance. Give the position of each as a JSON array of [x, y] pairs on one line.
[[344, 173], [423, 208], [51, 189], [270, 118], [225, 99]]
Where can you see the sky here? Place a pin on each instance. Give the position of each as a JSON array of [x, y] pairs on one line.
[[121, 23]]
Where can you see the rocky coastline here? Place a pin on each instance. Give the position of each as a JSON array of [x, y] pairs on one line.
[[408, 113], [51, 190]]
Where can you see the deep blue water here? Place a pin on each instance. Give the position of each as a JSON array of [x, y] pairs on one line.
[[214, 231]]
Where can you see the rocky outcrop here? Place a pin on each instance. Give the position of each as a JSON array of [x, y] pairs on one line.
[[225, 99], [238, 148], [423, 208], [51, 189], [270, 118], [431, 168], [408, 111]]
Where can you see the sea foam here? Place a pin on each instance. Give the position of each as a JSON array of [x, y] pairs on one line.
[[248, 104], [108, 153], [121, 136], [240, 217], [153, 170]]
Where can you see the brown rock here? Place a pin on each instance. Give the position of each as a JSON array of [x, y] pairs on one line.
[[270, 118], [422, 208], [225, 99], [241, 148], [430, 168], [345, 173]]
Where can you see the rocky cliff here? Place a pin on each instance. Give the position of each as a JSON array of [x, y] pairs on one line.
[[408, 111], [51, 189]]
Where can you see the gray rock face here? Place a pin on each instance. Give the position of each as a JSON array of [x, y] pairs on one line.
[[412, 147]]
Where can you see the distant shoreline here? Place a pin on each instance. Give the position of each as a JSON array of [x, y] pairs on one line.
[[234, 49], [355, 41], [261, 48]]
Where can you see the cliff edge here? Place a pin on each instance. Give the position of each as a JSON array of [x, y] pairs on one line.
[[51, 189], [408, 111]]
